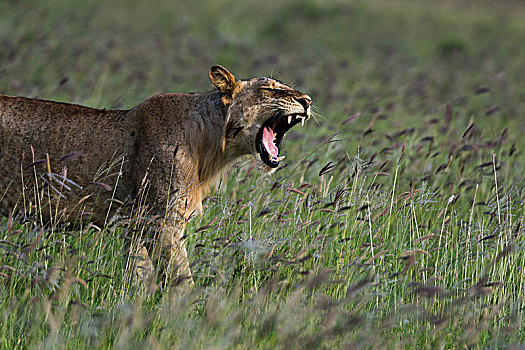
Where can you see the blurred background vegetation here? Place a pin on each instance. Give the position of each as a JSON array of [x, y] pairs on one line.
[[441, 263], [349, 55]]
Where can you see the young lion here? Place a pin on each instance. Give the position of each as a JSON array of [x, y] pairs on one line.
[[168, 150]]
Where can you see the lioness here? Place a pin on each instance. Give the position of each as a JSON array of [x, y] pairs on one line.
[[176, 144]]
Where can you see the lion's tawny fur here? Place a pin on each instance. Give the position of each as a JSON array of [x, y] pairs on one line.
[[177, 143]]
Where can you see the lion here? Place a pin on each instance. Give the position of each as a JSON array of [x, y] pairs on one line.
[[168, 150]]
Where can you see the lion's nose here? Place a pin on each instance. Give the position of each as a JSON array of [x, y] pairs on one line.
[[305, 101]]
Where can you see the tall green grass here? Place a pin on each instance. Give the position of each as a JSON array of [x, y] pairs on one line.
[[397, 220]]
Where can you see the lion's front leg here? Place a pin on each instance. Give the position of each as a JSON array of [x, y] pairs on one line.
[[136, 257], [169, 255]]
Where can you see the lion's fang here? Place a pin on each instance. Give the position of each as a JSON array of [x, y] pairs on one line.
[[289, 119], [276, 159], [302, 121]]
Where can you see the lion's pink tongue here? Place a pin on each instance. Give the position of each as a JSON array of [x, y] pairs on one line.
[[267, 138]]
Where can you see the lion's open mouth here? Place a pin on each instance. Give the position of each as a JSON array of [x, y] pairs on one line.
[[270, 136]]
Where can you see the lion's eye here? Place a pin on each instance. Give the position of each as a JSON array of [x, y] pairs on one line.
[[278, 90]]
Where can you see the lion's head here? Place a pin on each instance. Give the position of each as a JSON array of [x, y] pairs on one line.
[[260, 112]]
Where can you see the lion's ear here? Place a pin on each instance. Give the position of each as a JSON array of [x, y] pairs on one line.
[[223, 80]]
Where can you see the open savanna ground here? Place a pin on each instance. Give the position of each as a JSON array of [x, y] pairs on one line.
[[396, 220]]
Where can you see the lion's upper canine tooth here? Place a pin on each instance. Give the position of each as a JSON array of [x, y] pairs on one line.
[[302, 121], [289, 119]]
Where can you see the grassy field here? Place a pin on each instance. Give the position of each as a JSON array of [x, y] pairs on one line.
[[396, 222]]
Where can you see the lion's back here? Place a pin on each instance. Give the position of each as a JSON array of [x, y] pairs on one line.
[[63, 145]]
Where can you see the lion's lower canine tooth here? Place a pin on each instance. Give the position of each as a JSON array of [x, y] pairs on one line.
[[276, 159]]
